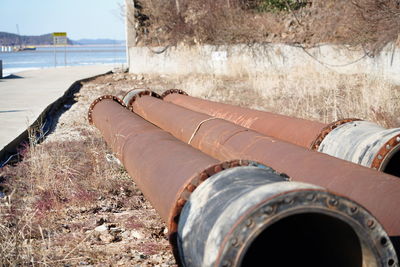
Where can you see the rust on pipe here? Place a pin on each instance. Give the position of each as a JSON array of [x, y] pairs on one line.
[[297, 131], [339, 139], [378, 192], [164, 168]]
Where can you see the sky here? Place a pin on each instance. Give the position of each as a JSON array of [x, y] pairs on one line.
[[91, 19]]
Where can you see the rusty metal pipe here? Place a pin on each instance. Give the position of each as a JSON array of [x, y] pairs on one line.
[[161, 165], [297, 131], [378, 192], [168, 171], [339, 139], [165, 169]]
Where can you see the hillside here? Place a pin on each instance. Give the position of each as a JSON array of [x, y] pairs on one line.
[[369, 23], [97, 41], [15, 39], [47, 39]]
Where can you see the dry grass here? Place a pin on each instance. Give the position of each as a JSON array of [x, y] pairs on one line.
[[68, 186]]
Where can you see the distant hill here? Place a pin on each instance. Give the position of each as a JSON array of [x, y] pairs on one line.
[[47, 39], [15, 39], [97, 41]]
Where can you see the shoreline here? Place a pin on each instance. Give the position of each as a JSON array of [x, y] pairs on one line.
[[7, 72]]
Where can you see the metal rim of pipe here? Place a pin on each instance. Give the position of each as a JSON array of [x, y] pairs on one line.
[[132, 93], [188, 188], [254, 219], [101, 98], [135, 94], [173, 91], [365, 143], [327, 130]]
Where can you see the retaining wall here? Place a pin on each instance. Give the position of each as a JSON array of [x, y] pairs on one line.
[[258, 59]]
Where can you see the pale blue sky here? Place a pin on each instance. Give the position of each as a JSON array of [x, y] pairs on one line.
[[79, 18]]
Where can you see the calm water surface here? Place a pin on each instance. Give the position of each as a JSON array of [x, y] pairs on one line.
[[46, 57]]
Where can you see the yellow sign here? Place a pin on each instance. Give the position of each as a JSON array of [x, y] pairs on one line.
[[60, 34]]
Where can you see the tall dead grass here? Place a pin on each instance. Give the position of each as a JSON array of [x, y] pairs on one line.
[[53, 178], [66, 187]]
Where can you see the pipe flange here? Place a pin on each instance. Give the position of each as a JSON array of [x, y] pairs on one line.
[[101, 98], [272, 210], [187, 189], [173, 91], [327, 129], [131, 93], [390, 147], [140, 94]]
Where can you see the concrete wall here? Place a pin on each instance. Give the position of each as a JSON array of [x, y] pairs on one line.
[[258, 59]]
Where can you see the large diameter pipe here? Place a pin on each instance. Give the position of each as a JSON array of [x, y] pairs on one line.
[[378, 192], [339, 139], [293, 130], [249, 216], [257, 199], [160, 164], [165, 169]]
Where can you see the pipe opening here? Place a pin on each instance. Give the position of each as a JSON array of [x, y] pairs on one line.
[[308, 239], [392, 162]]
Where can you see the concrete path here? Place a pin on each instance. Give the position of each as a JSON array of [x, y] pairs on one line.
[[25, 95]]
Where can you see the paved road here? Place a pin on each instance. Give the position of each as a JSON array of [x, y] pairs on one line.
[[24, 97]]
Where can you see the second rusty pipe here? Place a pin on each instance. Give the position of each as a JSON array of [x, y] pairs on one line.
[[378, 192], [348, 139]]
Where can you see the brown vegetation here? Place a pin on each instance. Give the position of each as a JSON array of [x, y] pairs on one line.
[[370, 23]]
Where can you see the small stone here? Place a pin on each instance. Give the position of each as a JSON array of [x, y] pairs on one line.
[[137, 234], [106, 237], [101, 228], [126, 235], [101, 221]]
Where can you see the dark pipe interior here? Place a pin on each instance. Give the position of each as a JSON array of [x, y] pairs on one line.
[[310, 239], [393, 166]]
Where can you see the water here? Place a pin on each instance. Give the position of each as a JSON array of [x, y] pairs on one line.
[[43, 57]]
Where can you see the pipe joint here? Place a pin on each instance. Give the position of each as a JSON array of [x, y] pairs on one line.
[[131, 95], [365, 143], [327, 129]]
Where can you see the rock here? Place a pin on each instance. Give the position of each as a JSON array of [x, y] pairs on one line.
[[137, 234], [106, 237], [101, 221], [101, 228]]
